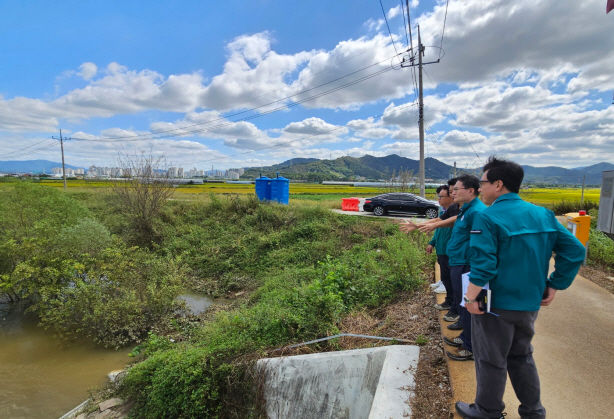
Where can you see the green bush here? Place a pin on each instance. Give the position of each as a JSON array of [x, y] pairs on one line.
[[600, 249], [188, 382], [564, 207], [113, 300]]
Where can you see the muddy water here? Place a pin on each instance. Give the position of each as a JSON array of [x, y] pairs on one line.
[[39, 377], [196, 303]]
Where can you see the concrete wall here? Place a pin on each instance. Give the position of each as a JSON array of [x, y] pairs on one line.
[[362, 383]]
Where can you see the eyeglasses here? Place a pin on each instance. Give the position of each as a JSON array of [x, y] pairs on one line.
[[484, 181], [458, 189], [441, 197]]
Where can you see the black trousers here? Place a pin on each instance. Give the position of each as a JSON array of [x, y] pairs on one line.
[[501, 346], [444, 269], [456, 273]]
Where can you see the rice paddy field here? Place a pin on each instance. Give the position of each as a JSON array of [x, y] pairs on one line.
[[329, 195]]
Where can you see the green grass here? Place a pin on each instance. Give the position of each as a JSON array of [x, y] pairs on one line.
[[306, 268]]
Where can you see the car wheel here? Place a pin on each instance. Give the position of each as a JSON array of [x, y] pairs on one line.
[[431, 213], [379, 210]]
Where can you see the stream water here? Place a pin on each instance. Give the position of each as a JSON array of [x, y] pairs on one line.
[[41, 377]]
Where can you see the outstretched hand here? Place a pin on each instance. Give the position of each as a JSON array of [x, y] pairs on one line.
[[407, 226], [427, 227]]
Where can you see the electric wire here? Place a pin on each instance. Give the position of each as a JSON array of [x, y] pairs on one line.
[[250, 117], [412, 54], [405, 24], [277, 145], [153, 134], [444, 28], [388, 26], [30, 148]]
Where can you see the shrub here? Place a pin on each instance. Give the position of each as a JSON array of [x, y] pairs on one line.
[[188, 382], [563, 207], [600, 249]]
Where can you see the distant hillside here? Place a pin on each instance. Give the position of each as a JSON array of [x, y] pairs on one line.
[[560, 175], [382, 168], [30, 166], [350, 168]]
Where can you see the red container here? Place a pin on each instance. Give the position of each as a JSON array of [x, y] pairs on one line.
[[350, 204]]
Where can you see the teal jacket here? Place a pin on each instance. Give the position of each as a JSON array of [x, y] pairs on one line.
[[458, 245], [440, 239], [511, 245]]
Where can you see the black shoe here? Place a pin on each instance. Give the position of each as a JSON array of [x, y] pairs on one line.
[[461, 355], [443, 306], [455, 326], [457, 341], [471, 411]]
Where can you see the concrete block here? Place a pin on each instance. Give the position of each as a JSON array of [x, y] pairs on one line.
[[368, 383]]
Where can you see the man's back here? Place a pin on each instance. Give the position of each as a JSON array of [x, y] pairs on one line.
[[511, 245]]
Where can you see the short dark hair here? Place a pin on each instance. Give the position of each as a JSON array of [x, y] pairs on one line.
[[510, 173], [443, 188], [470, 181], [452, 181]]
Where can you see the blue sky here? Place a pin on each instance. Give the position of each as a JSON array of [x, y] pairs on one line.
[[235, 83]]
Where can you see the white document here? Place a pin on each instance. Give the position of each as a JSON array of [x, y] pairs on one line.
[[465, 280]]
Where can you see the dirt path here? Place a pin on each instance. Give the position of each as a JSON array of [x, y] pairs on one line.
[[574, 352]]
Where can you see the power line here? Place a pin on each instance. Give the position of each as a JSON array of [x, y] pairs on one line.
[[388, 26], [444, 28], [30, 148], [153, 134], [411, 51], [298, 139], [250, 117], [405, 24]]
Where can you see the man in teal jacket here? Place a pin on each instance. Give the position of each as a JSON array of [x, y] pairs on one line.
[[465, 193], [439, 242], [512, 242]]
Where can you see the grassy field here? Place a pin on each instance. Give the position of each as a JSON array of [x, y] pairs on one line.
[[328, 195]]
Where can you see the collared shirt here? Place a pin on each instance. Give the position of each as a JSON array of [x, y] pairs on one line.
[[442, 235], [458, 245], [511, 245], [451, 211]]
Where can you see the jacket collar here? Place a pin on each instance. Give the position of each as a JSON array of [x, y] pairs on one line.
[[511, 196], [468, 205]]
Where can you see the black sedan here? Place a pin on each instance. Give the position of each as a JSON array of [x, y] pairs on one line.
[[401, 202]]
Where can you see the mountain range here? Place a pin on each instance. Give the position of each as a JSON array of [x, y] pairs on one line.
[[366, 168], [30, 166], [384, 168]]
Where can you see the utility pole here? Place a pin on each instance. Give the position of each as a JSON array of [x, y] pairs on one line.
[[421, 48], [62, 147], [421, 113]]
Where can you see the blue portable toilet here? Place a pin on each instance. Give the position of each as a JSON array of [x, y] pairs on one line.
[[280, 189], [263, 188]]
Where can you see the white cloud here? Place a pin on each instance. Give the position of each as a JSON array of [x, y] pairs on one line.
[[394, 12], [87, 70], [361, 87], [313, 126], [483, 39], [253, 75]]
